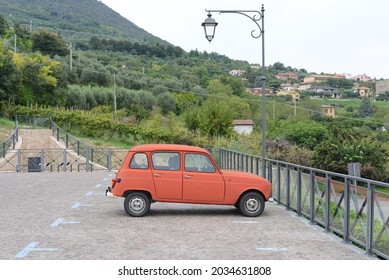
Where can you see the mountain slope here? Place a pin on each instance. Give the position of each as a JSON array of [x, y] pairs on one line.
[[74, 19]]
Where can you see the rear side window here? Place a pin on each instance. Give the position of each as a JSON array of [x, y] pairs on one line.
[[166, 161], [139, 161]]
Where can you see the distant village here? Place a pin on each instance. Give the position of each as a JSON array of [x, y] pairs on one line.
[[363, 86]]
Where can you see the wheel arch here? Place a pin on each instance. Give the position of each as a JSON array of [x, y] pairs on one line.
[[247, 191]]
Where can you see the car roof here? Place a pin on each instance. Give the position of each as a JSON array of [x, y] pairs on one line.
[[167, 147]]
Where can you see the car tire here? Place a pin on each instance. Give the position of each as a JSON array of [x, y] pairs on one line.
[[137, 204], [251, 204]]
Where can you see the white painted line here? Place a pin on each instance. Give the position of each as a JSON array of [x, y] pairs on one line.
[[94, 194], [61, 221], [78, 205], [99, 185], [272, 249], [105, 179], [244, 222], [31, 247]]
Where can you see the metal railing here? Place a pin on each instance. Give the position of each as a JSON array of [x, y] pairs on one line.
[[62, 160], [10, 142], [353, 208], [76, 156]]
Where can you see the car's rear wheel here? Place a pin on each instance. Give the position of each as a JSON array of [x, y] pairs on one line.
[[137, 204], [251, 204]]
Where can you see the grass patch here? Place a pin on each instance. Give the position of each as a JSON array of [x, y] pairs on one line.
[[6, 127]]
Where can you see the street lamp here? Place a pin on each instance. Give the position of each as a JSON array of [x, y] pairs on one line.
[[256, 16]]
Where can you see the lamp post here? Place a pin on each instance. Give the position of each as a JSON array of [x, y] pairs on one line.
[[256, 16]]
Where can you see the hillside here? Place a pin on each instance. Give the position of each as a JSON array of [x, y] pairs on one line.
[[75, 19]]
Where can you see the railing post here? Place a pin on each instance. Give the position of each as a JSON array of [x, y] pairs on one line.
[[57, 133], [288, 187], [65, 159], [299, 191], [78, 147], [42, 160], [109, 160], [370, 218], [87, 160], [278, 183], [19, 164], [346, 222], [328, 202], [67, 140], [4, 150], [312, 197], [270, 172], [222, 158]]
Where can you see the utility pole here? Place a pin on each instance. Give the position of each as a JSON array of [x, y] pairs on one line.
[[30, 25], [114, 94], [71, 57]]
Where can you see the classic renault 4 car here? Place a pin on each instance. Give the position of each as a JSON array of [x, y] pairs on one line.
[[184, 174]]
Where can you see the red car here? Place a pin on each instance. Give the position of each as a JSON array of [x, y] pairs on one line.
[[184, 174]]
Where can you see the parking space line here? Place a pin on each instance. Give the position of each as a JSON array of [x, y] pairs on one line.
[[31, 247], [272, 249], [244, 222], [93, 193], [79, 204], [61, 221]]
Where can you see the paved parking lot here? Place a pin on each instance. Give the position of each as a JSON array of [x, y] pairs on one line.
[[65, 216]]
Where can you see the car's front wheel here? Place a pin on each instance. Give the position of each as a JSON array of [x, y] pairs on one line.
[[137, 204], [251, 204]]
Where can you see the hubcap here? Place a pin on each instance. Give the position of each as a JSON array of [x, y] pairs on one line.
[[137, 204], [252, 205]]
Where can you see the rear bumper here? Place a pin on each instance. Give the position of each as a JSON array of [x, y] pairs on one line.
[[108, 192]]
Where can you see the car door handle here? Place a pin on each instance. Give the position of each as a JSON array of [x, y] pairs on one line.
[[158, 175], [187, 176]]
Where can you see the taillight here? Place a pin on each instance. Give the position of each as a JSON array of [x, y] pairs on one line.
[[113, 182]]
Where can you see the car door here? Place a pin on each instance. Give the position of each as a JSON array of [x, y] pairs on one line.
[[167, 175], [202, 181]]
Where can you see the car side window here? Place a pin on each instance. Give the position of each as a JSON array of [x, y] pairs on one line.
[[139, 161], [198, 163], [166, 161]]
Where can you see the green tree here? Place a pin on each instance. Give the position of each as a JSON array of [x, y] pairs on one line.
[[10, 77], [366, 109], [48, 43], [166, 102], [216, 118], [217, 87], [3, 26], [343, 147]]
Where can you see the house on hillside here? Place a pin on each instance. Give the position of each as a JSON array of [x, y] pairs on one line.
[[327, 91], [362, 78], [365, 92], [243, 127], [258, 91], [286, 76], [329, 111], [294, 94], [237, 72], [382, 86]]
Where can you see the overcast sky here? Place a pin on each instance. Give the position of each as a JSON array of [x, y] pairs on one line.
[[330, 36]]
